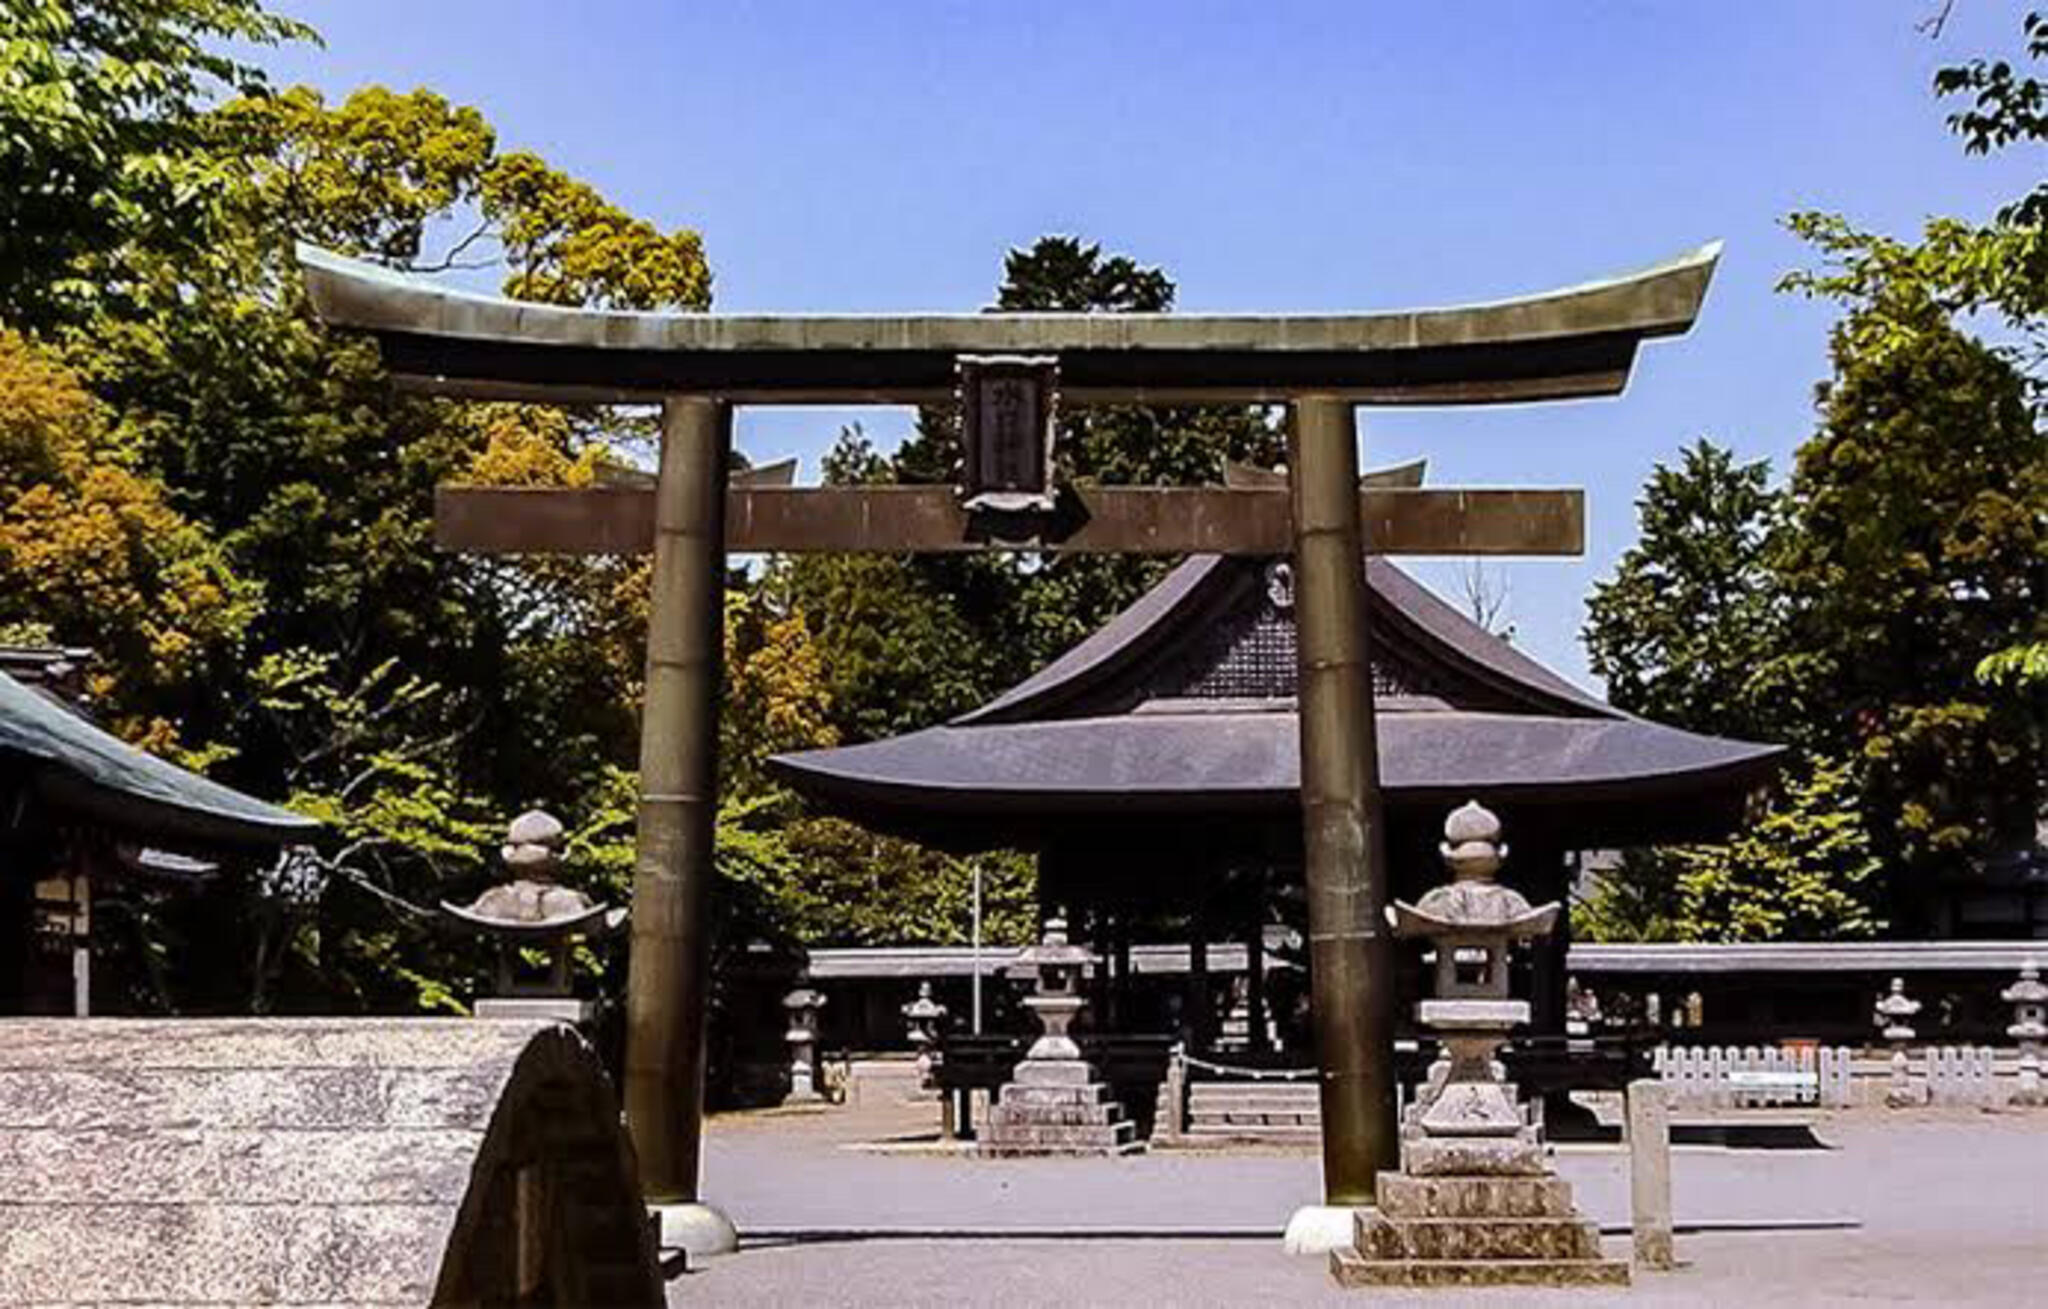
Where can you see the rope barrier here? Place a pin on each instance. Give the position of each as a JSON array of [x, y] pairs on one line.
[[1256, 1074]]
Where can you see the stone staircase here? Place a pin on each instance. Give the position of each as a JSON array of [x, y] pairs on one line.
[[1277, 1112], [1475, 1231]]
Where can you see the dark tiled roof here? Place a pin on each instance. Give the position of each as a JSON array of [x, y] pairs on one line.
[[1118, 727], [78, 768], [1166, 762]]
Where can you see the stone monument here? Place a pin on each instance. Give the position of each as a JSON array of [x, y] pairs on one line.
[[803, 1005], [534, 911], [2029, 1000], [1892, 1011], [1053, 1104], [1475, 1202]]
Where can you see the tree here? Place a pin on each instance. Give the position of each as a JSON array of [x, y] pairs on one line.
[[414, 699], [92, 553], [104, 106], [1896, 289], [1680, 631], [1804, 871], [1918, 545]]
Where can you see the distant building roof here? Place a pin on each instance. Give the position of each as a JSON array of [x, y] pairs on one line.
[[76, 767]]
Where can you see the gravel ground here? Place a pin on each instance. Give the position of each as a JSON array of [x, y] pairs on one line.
[[1950, 1208]]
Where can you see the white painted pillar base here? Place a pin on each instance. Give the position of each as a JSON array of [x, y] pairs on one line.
[[1317, 1229], [696, 1229]]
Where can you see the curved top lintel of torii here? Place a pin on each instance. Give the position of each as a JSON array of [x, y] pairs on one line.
[[1575, 341]]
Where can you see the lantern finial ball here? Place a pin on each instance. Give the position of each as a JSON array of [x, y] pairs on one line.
[[1472, 846]]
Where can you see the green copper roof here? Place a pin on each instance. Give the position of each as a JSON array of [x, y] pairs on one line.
[[81, 770]]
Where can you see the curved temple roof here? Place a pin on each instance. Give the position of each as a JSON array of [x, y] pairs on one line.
[[1576, 341], [1182, 705], [79, 767]]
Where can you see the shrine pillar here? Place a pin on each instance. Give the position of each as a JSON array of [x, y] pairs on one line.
[[1351, 957], [668, 973]]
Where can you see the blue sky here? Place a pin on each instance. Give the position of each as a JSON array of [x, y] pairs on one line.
[[1277, 156]]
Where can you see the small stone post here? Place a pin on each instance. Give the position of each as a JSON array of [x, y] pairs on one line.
[[922, 1017], [803, 1005], [1173, 1122], [1649, 1173], [2029, 1000], [1893, 1009]]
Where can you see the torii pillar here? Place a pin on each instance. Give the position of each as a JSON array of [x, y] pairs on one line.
[[674, 852], [1344, 860]]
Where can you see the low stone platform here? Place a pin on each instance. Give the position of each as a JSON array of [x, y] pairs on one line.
[[1475, 1231], [1354, 1270], [1055, 1107]]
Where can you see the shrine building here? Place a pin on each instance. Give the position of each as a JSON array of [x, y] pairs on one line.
[[1153, 770]]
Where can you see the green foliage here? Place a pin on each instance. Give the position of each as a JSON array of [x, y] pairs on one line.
[[862, 889], [371, 758], [1918, 544], [1634, 901], [1896, 290], [1682, 628], [910, 642], [1888, 612], [102, 139], [1805, 871], [92, 553], [775, 696], [2018, 666]]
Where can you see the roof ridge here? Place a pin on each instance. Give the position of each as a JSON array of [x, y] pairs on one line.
[[1142, 628]]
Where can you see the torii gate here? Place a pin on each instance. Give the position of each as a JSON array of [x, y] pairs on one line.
[[1010, 369]]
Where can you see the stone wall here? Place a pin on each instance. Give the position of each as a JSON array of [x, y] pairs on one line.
[[335, 1161]]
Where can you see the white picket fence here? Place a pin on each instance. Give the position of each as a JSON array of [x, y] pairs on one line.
[[1731, 1077], [1966, 1075], [1728, 1077]]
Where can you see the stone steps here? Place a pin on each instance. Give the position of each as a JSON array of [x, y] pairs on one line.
[[1401, 1196], [1352, 1269], [1255, 1111], [1464, 1239], [1309, 1132]]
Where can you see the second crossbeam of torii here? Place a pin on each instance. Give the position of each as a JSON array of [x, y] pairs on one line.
[[1009, 370]]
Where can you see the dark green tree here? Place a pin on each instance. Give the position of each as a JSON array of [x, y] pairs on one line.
[[1692, 611], [1917, 545]]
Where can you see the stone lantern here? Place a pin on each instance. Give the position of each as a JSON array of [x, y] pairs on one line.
[[1475, 1202], [803, 1005], [2029, 1000], [1891, 1013], [1053, 1103], [531, 910], [922, 1018], [1056, 1001], [1472, 922]]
